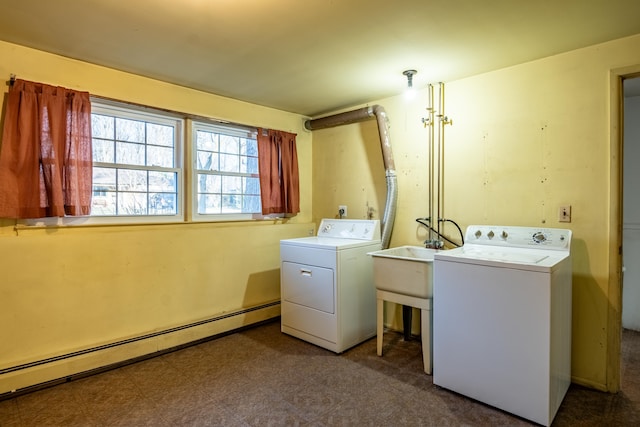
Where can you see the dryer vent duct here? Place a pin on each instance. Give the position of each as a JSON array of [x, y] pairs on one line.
[[360, 115]]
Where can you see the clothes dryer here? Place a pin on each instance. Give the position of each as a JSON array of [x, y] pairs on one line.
[[327, 290]]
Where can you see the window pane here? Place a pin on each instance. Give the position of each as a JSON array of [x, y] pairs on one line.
[[232, 184], [103, 200], [208, 161], [159, 156], [253, 165], [132, 180], [249, 165], [162, 181], [229, 163], [209, 204], [103, 151], [229, 144], [132, 204], [162, 204], [252, 186], [231, 203], [209, 183], [130, 154], [251, 204], [130, 130], [104, 179], [103, 203], [102, 126], [249, 147], [206, 141], [160, 135]]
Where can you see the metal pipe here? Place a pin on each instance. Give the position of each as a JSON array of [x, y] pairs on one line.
[[439, 157], [430, 134], [442, 122], [359, 115]]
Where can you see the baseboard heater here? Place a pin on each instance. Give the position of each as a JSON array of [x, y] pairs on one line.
[[150, 336]]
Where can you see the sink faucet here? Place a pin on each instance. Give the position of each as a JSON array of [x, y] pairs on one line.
[[434, 244]]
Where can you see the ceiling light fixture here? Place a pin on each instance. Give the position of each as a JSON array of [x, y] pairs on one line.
[[410, 92], [410, 74]]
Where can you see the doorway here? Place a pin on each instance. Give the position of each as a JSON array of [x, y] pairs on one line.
[[624, 281], [631, 204]]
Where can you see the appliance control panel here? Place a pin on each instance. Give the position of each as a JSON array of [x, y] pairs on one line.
[[363, 229], [521, 237]]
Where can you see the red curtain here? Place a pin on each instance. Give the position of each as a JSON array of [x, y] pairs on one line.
[[45, 152], [279, 181]]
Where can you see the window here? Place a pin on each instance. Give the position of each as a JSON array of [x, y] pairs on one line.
[[226, 182], [138, 169], [136, 164]]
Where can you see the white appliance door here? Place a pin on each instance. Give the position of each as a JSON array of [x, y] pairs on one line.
[[309, 286]]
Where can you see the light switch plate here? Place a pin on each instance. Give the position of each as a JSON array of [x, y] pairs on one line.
[[564, 213]]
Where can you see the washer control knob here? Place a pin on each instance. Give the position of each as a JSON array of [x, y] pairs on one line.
[[504, 235], [478, 234], [490, 234], [539, 237]]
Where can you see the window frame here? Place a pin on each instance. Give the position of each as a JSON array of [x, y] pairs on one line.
[[150, 115], [228, 129]]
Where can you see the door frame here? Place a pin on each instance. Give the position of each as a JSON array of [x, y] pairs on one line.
[[616, 182]]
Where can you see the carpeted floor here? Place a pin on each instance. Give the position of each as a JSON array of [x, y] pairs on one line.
[[261, 377]]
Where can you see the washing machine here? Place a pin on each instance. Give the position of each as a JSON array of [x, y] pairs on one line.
[[328, 297], [502, 319]]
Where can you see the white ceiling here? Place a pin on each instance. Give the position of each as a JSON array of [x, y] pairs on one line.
[[312, 56]]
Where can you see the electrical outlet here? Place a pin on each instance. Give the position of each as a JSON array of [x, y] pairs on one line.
[[564, 213], [342, 211]]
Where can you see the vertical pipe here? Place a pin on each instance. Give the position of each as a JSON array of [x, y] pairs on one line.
[[430, 123], [443, 122], [438, 157]]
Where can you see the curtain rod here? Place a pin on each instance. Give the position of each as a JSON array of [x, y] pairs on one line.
[[249, 128]]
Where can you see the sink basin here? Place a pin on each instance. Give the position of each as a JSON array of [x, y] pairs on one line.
[[406, 270]]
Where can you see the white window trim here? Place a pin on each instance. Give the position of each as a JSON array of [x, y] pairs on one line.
[[236, 130]]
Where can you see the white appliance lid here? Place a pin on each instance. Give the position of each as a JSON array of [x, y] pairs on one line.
[[341, 234], [329, 242], [363, 229], [515, 258], [525, 248]]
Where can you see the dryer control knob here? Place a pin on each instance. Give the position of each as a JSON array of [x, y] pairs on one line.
[[504, 235], [490, 234], [478, 234]]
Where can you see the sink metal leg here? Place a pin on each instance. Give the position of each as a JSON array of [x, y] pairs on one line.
[[379, 325], [407, 312], [425, 331]]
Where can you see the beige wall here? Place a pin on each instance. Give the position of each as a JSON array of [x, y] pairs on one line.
[[70, 289], [524, 141]]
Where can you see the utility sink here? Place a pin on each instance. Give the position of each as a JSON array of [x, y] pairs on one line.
[[406, 270]]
